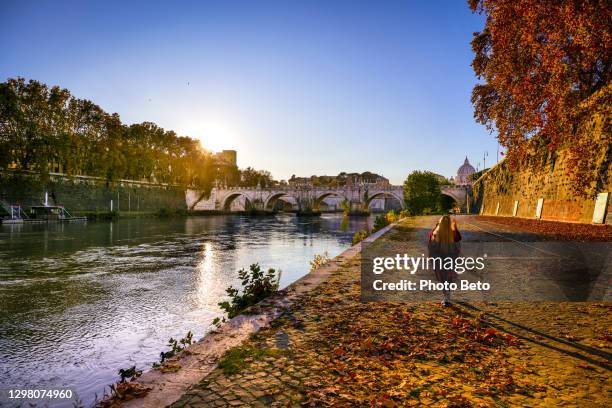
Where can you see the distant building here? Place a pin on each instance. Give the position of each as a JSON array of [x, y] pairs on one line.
[[341, 180], [227, 168], [464, 174], [299, 181], [366, 179], [227, 158]]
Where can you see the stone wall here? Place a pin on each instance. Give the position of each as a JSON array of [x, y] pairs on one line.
[[548, 178], [89, 194]]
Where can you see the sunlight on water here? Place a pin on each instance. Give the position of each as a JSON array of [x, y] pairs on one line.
[[80, 301], [210, 286]]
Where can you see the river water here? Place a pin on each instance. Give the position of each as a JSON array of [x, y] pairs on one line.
[[80, 301]]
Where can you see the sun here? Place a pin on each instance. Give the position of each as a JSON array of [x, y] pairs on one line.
[[214, 135]]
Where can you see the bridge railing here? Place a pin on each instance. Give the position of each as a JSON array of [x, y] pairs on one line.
[[304, 188]]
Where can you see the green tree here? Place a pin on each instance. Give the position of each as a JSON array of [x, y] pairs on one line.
[[47, 129], [422, 192], [250, 177]]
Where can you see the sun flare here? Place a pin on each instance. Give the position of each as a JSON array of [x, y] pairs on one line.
[[214, 135]]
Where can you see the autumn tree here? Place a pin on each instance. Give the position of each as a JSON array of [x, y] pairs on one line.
[[545, 69]]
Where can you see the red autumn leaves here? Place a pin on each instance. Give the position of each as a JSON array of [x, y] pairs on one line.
[[545, 67], [380, 354], [554, 230]]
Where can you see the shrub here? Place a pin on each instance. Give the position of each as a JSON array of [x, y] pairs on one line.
[[319, 261], [256, 286], [383, 220], [380, 222], [392, 216], [129, 373], [175, 348], [360, 236]]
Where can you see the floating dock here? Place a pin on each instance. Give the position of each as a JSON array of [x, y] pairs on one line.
[[38, 215]]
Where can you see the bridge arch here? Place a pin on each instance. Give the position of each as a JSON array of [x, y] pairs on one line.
[[451, 195], [385, 194], [319, 199], [457, 193], [229, 199], [273, 198]]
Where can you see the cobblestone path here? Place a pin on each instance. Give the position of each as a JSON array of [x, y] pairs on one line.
[[332, 350]]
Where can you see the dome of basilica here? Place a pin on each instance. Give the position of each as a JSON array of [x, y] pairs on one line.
[[464, 172], [466, 169]]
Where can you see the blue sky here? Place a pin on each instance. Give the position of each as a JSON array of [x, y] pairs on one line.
[[297, 87]]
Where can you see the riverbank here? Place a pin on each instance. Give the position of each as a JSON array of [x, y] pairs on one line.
[[165, 386], [327, 348]]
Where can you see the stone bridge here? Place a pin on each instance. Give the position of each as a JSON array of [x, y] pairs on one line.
[[459, 193], [301, 199]]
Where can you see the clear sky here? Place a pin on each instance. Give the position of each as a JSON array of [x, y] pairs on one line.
[[297, 87]]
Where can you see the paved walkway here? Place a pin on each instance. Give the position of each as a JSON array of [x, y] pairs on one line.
[[328, 349]]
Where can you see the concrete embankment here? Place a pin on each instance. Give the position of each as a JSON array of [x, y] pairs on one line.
[[82, 195]]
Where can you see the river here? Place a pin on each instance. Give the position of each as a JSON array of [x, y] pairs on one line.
[[80, 301]]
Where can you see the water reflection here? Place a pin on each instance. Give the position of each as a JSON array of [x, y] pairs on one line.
[[80, 301], [210, 286]]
